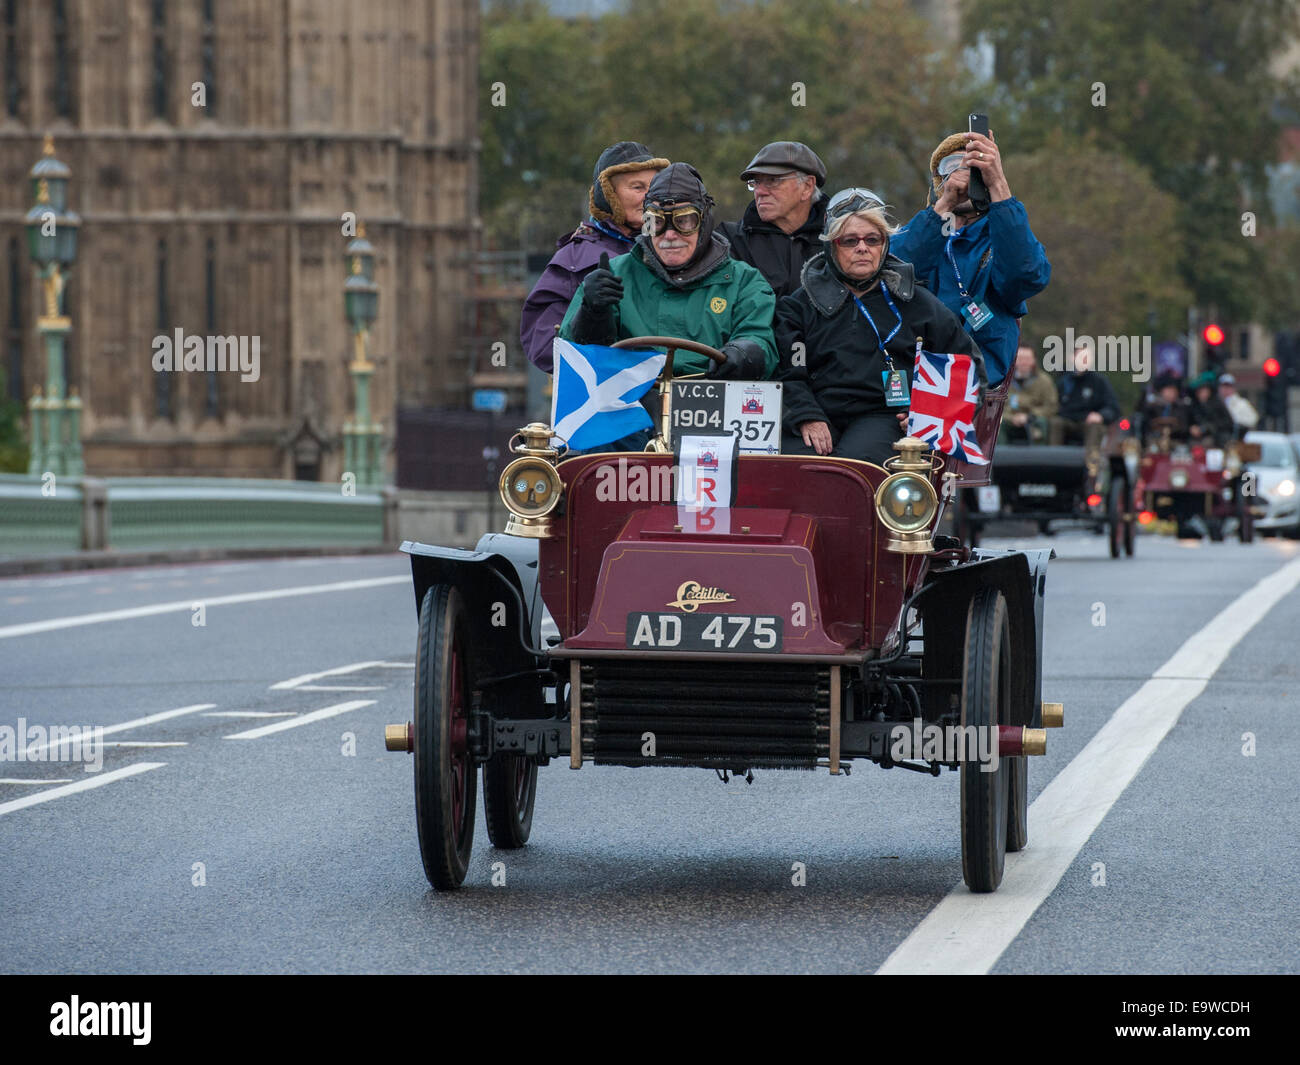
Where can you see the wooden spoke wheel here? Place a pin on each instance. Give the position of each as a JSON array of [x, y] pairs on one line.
[[446, 785], [986, 702], [509, 791]]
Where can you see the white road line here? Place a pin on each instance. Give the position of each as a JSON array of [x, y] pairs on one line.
[[252, 713], [967, 933], [304, 719], [184, 605], [20, 780], [341, 688], [97, 781], [108, 730], [355, 667]]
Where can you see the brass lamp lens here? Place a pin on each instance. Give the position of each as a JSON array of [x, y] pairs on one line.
[[530, 487], [905, 502]]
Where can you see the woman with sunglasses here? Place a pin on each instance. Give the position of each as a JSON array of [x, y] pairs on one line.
[[680, 281], [847, 338]]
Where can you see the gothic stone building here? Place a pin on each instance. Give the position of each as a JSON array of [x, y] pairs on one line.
[[216, 147]]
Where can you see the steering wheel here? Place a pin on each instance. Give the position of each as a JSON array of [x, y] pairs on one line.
[[659, 443], [672, 344]]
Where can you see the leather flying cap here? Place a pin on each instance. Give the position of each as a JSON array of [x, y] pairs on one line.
[[780, 157]]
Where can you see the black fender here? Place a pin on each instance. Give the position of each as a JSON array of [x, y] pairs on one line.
[[498, 582], [1021, 576]]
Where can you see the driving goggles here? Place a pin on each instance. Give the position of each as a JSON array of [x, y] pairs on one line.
[[949, 163], [685, 219], [851, 200]]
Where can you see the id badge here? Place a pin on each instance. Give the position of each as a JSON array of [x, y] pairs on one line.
[[976, 314], [895, 388]]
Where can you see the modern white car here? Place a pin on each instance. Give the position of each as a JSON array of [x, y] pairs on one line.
[[1277, 474]]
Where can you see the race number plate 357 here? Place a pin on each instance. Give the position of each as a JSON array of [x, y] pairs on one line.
[[729, 633], [750, 409]]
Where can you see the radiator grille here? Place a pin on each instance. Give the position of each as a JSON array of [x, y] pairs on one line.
[[707, 714]]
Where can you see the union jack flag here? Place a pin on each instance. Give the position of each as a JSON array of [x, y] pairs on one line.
[[945, 396]]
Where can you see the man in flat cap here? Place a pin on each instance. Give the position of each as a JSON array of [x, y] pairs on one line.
[[782, 228]]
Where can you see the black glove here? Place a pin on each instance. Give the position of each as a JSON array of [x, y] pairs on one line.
[[602, 287], [601, 292], [746, 361]]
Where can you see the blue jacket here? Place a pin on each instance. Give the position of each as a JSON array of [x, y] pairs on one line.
[[1001, 263]]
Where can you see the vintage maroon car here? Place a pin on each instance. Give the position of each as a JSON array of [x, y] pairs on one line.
[[1198, 487], [813, 622]]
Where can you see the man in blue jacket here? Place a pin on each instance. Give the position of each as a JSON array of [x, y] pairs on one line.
[[980, 258]]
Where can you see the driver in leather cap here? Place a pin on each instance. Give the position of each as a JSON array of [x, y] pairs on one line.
[[680, 281]]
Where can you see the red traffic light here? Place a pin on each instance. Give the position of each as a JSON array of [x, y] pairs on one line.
[[1272, 367], [1213, 335]]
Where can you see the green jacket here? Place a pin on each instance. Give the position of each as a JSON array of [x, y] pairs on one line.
[[729, 301]]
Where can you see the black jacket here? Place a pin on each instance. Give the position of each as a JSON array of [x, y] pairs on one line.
[[1155, 407], [779, 257], [1083, 393], [839, 375], [1213, 418]]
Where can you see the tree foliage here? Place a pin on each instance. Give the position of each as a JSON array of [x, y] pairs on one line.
[[1111, 236], [1138, 201], [1190, 94], [707, 82]]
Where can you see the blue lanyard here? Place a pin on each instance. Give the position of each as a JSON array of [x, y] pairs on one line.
[[871, 322], [597, 224], [961, 285]]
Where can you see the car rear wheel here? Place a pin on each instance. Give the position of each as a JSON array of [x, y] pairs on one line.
[[1115, 522], [509, 791], [446, 785], [1017, 770], [1245, 520], [986, 701]]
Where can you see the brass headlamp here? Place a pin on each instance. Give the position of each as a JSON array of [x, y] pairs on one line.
[[906, 502], [530, 486]]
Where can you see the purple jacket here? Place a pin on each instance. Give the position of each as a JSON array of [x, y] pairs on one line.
[[577, 255]]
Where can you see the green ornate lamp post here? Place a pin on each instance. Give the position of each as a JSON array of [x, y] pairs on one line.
[[52, 243], [362, 439]]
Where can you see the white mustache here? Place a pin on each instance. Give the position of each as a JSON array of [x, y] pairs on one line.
[[667, 245]]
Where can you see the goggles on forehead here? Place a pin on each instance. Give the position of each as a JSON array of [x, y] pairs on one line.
[[949, 163], [851, 200], [685, 218]]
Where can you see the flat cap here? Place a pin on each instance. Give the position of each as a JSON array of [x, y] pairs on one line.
[[780, 157]]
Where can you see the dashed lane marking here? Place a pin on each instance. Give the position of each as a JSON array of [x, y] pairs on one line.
[[22, 780], [31, 628], [108, 730], [967, 933], [303, 719], [252, 713], [341, 688], [355, 667], [97, 781]]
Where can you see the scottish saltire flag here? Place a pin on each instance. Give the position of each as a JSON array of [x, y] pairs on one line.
[[945, 396], [595, 392]]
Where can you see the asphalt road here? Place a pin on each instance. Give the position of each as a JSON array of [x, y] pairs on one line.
[[309, 860]]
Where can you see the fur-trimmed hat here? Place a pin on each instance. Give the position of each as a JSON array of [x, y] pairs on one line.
[[620, 158], [954, 142]]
